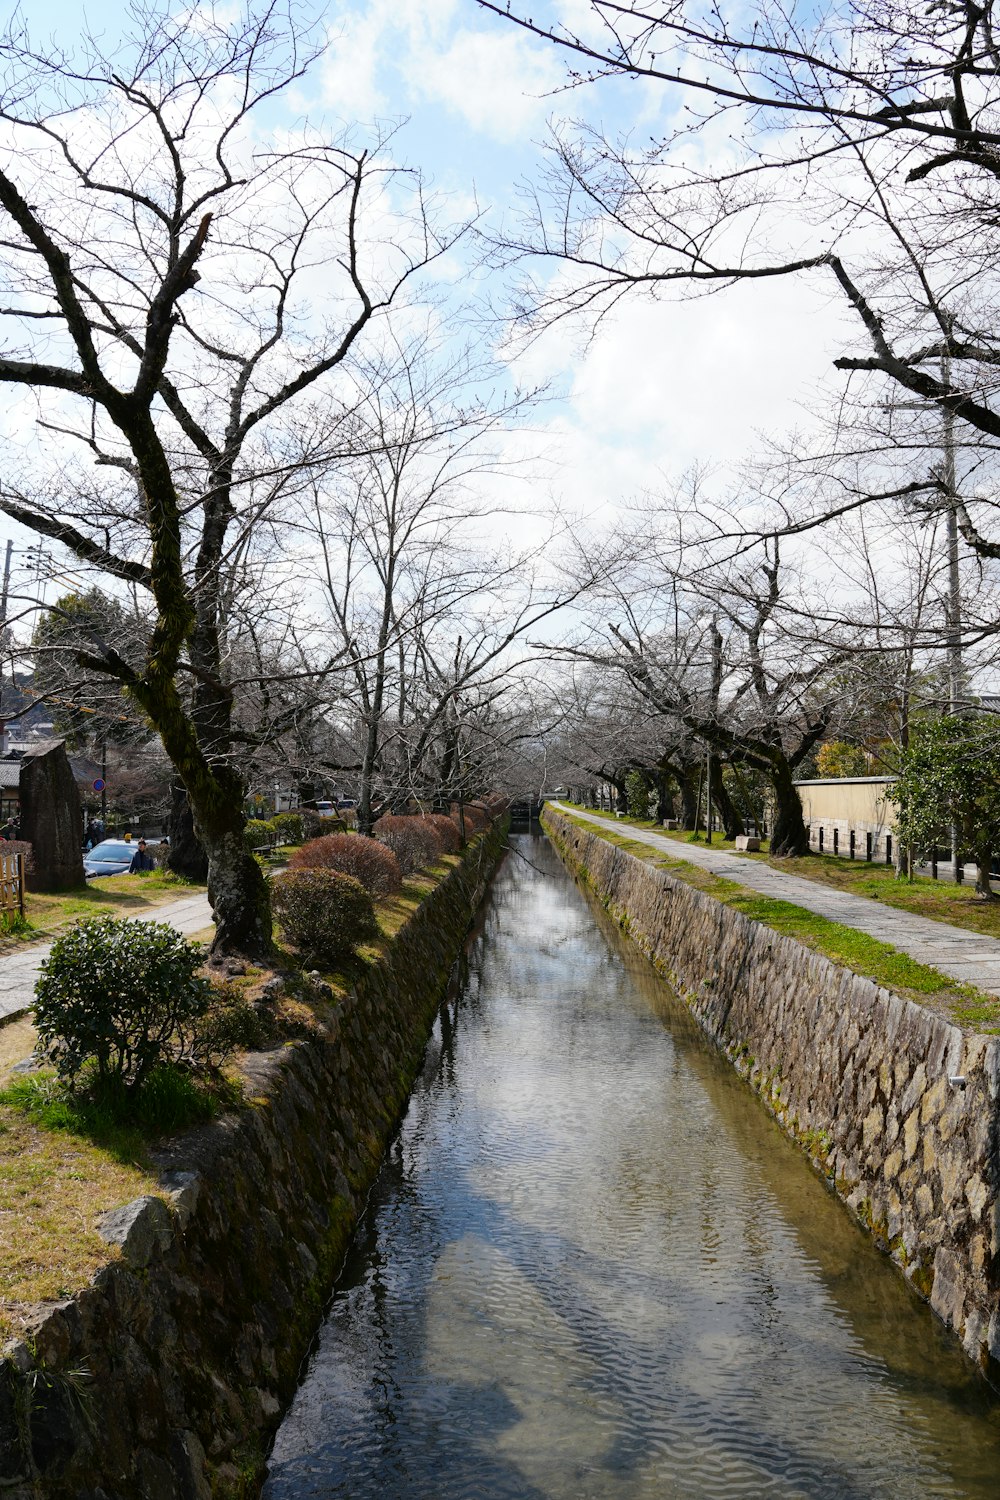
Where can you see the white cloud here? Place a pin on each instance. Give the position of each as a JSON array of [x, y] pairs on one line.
[[384, 60]]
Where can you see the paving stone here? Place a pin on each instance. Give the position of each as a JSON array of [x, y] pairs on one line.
[[970, 957]]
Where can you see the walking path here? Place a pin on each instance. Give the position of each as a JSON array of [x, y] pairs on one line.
[[970, 957], [18, 971]]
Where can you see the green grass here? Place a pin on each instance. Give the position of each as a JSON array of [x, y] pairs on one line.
[[114, 895], [169, 1100], [864, 955], [938, 900]]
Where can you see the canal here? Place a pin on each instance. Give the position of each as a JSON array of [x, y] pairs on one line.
[[594, 1269]]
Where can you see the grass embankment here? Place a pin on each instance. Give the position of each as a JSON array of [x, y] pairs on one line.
[[61, 1168], [966, 1006]]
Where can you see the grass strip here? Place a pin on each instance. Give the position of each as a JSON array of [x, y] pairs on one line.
[[937, 900], [111, 895], [843, 945]]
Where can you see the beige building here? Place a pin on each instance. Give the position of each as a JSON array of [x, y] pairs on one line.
[[834, 810]]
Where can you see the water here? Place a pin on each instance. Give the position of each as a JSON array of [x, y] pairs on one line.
[[594, 1269]]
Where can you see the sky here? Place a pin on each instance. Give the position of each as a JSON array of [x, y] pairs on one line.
[[662, 386]]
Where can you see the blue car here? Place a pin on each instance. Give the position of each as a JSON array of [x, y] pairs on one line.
[[111, 857]]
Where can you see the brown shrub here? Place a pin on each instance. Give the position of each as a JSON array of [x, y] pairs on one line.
[[413, 841], [476, 817], [367, 860], [451, 840]]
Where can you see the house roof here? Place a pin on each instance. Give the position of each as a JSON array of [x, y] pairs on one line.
[[10, 773]]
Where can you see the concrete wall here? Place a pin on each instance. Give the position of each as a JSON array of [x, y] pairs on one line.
[[858, 1075], [192, 1340], [838, 806]]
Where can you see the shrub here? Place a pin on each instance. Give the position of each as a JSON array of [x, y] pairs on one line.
[[118, 994], [413, 841], [369, 861], [312, 824], [446, 830], [323, 913], [258, 832], [289, 827], [476, 818], [231, 1024]]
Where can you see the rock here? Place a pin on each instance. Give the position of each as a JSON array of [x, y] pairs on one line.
[[748, 843], [51, 819], [183, 1190], [141, 1228]]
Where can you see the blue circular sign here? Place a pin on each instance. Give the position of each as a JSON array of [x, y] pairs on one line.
[[99, 785]]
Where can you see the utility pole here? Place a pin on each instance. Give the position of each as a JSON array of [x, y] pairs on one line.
[[5, 593], [953, 605]]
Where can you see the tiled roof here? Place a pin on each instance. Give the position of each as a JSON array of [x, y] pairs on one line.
[[10, 773]]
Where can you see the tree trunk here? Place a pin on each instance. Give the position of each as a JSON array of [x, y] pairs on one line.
[[984, 861], [664, 801], [689, 798], [789, 835], [732, 823], [237, 889], [187, 854]]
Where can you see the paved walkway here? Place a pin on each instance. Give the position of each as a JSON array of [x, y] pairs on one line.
[[18, 971], [969, 957]]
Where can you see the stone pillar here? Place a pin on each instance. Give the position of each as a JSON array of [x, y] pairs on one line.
[[50, 818]]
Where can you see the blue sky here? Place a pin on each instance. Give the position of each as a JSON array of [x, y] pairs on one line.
[[663, 386]]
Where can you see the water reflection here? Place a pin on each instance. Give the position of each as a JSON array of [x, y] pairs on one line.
[[593, 1267]]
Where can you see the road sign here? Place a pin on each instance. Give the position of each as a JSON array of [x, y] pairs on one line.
[[99, 785]]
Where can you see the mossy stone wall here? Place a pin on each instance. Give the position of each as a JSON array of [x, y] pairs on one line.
[[860, 1076], [191, 1343]]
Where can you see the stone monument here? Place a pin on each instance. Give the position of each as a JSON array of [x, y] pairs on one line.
[[50, 818]]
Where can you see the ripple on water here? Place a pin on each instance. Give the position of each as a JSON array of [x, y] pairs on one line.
[[592, 1269]]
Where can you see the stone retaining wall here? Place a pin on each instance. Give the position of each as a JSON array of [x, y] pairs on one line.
[[166, 1378], [857, 1074]]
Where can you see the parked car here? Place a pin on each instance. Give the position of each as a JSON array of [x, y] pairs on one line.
[[326, 810], [111, 857]]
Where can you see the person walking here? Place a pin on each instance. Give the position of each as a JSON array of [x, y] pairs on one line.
[[142, 860]]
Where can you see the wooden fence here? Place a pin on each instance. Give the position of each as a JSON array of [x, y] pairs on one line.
[[12, 883]]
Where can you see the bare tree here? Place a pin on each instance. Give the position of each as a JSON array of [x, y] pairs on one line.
[[858, 145], [174, 293]]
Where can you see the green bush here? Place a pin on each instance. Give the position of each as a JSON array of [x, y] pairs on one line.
[[259, 832], [229, 1025], [290, 827], [323, 913], [118, 996]]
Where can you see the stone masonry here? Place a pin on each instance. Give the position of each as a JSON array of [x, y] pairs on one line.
[[166, 1377], [896, 1106]]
